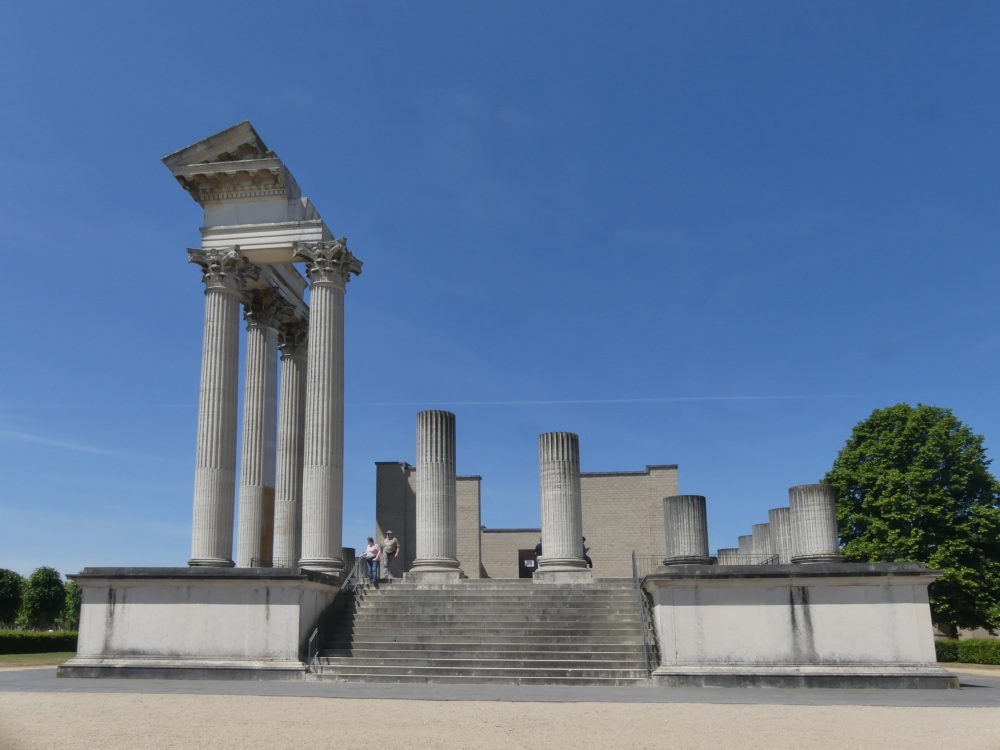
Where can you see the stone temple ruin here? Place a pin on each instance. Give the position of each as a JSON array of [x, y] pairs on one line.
[[474, 604]]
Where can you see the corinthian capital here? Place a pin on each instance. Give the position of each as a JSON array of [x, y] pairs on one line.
[[264, 307], [293, 338], [329, 262], [223, 268]]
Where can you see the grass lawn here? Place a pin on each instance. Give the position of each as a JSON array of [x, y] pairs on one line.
[[35, 660]]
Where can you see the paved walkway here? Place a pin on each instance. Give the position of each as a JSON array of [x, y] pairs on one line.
[[977, 691]]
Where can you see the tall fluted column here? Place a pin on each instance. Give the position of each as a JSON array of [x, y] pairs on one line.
[[814, 524], [745, 547], [224, 272], [437, 539], [763, 547], [292, 341], [262, 311], [562, 509], [329, 266], [686, 523], [781, 534]]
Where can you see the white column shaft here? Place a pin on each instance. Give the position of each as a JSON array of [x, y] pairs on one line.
[[781, 534], [685, 521], [436, 500], [562, 510], [288, 481], [257, 464], [813, 509]]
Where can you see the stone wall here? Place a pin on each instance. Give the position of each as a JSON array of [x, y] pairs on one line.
[[500, 548]]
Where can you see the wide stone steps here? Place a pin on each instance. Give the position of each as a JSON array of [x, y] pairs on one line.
[[513, 632]]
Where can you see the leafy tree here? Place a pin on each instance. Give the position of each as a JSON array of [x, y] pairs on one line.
[[913, 484], [70, 618], [10, 595], [42, 599]]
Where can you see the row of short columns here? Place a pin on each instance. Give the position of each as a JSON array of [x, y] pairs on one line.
[[291, 478], [804, 532]]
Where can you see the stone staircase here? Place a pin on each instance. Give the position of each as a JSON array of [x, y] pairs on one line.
[[488, 631]]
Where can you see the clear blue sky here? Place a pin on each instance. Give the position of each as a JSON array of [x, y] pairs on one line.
[[703, 233]]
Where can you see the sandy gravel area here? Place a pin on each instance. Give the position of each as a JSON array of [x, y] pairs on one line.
[[111, 721]]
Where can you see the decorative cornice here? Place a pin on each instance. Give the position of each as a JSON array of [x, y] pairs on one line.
[[254, 181], [223, 268], [293, 339], [328, 262], [264, 308]]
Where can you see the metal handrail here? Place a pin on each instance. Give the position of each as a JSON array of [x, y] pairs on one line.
[[351, 581], [648, 626]]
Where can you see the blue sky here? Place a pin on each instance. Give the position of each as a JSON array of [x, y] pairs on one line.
[[703, 233]]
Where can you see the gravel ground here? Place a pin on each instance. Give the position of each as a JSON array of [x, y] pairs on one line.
[[64, 720]]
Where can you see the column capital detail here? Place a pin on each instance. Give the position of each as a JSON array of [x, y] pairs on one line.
[[264, 308], [223, 269], [328, 262], [293, 338]]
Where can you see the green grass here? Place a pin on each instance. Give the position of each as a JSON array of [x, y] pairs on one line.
[[35, 660]]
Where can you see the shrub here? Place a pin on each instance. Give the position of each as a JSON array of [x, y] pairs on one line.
[[947, 649], [979, 651], [30, 642]]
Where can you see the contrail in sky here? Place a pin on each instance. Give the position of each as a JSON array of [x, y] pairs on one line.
[[656, 400], [64, 444]]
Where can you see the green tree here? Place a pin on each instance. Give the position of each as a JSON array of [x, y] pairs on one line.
[[70, 618], [913, 484], [42, 598], [11, 584]]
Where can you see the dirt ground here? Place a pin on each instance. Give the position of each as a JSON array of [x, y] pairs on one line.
[[30, 721]]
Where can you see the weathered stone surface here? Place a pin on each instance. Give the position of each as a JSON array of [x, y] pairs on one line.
[[781, 534], [814, 524], [562, 516], [686, 524], [437, 557], [292, 341]]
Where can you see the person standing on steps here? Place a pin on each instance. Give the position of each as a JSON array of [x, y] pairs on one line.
[[390, 551], [371, 556]]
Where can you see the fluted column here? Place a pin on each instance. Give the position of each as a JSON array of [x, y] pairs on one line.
[[686, 523], [562, 509], [728, 556], [292, 342], [814, 524], [224, 272], [763, 547], [745, 546], [781, 534], [329, 266], [437, 539], [262, 311]]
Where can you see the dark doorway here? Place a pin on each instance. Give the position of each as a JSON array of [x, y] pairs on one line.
[[526, 563]]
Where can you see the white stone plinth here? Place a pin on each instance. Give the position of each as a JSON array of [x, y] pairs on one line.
[[162, 622], [789, 625]]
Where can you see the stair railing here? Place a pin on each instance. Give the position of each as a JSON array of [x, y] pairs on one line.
[[649, 643], [351, 581]]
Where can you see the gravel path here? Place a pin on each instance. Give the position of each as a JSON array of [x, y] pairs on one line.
[[66, 720]]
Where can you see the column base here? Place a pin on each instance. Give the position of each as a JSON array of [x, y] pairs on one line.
[[823, 557], [329, 565], [210, 562], [687, 560], [562, 570], [435, 570]]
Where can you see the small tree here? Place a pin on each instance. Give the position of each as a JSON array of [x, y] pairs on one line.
[[42, 599], [70, 618], [913, 484], [11, 584]]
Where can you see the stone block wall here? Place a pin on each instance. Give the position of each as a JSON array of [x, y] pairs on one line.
[[500, 548]]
